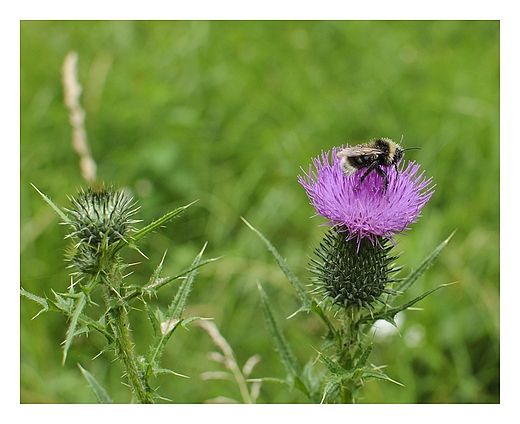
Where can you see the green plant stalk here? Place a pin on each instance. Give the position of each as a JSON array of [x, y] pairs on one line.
[[349, 347], [120, 327], [347, 365]]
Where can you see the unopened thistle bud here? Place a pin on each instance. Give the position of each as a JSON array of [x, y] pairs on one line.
[[349, 274], [353, 265], [99, 219]]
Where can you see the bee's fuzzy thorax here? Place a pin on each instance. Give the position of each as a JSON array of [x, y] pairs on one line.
[[392, 151]]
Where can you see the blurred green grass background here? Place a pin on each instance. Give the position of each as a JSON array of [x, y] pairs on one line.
[[226, 112]]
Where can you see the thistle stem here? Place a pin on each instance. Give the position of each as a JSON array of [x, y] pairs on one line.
[[120, 328], [349, 349], [125, 350]]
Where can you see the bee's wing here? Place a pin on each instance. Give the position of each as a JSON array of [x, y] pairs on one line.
[[350, 152]]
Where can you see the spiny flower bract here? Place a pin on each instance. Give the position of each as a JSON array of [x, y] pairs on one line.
[[99, 219], [351, 275]]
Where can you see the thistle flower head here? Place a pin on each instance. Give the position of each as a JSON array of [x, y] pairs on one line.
[[99, 219], [353, 266], [365, 209]]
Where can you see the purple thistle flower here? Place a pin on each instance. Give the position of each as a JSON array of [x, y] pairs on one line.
[[366, 210]]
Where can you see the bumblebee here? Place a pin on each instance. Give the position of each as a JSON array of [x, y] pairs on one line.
[[374, 155]]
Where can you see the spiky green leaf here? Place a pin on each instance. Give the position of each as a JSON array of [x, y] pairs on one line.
[[332, 334], [364, 357], [157, 223], [165, 324], [154, 285], [61, 214], [71, 331], [333, 367], [156, 274], [157, 284], [304, 296], [39, 300], [188, 321], [332, 387], [156, 323], [101, 394], [289, 361], [414, 276], [379, 375], [179, 302], [159, 371], [389, 314]]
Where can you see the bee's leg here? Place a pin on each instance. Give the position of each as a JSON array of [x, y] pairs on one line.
[[370, 168], [384, 176]]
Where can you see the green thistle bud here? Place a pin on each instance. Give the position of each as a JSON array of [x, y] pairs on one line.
[[352, 272], [99, 219]]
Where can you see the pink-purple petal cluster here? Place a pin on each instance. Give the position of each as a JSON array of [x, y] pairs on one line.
[[365, 210]]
